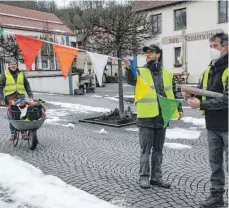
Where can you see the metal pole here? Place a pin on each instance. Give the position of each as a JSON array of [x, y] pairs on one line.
[[70, 72], [184, 54], [54, 55], [120, 86]]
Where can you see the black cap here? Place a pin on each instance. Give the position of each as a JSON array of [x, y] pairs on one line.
[[153, 48]]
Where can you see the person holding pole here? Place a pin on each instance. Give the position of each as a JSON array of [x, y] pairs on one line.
[[215, 78], [150, 121]]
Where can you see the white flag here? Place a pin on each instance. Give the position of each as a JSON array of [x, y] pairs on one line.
[[98, 61]]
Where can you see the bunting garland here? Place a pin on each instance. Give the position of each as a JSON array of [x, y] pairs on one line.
[[65, 57], [99, 62], [29, 49], [141, 89]]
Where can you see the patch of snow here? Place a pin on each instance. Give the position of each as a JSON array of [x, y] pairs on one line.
[[179, 133], [132, 129], [196, 121], [102, 131], [26, 184], [54, 116], [129, 96], [70, 125], [177, 146], [112, 98], [193, 128], [43, 93], [79, 108], [3, 107], [96, 96]]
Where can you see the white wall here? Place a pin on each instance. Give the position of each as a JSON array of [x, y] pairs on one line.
[[201, 16], [55, 84]]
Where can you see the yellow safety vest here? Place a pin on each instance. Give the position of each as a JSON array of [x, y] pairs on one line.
[[205, 82], [148, 106], [11, 86]]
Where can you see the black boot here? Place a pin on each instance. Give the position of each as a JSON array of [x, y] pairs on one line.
[[212, 201], [144, 183], [160, 183]]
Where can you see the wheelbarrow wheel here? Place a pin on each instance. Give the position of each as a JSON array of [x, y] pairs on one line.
[[32, 140], [16, 138]]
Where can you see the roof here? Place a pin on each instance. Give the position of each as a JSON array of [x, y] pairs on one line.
[[150, 5], [32, 20]]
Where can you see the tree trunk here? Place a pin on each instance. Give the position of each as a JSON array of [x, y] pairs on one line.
[[120, 86]]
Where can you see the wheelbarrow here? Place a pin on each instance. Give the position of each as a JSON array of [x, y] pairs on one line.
[[27, 126], [28, 129]]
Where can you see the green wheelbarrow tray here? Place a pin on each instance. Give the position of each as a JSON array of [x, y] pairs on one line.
[[22, 125]]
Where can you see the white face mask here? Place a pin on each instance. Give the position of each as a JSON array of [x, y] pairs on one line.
[[215, 54]]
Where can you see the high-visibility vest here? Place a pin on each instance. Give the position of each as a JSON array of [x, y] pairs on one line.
[[148, 106], [205, 82], [11, 86]]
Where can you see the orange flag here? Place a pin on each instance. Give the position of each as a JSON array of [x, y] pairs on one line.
[[65, 58], [29, 49]]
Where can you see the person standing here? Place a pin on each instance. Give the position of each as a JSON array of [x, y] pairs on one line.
[[13, 86], [215, 78], [150, 121]]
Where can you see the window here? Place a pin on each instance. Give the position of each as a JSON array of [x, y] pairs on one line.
[[44, 61], [223, 11], [180, 19], [156, 24], [178, 62]]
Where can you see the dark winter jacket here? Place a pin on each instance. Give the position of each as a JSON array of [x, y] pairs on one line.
[[216, 109], [14, 95], [156, 71]]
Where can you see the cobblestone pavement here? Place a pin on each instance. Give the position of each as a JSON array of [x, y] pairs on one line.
[[106, 165]]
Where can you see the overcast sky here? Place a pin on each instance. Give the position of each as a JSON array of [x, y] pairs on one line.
[[61, 3]]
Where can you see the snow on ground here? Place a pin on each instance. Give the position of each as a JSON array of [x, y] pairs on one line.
[[43, 93], [112, 98], [129, 96], [196, 121], [96, 96], [177, 146], [179, 133], [55, 116], [79, 108], [132, 129], [102, 131], [58, 116], [27, 185]]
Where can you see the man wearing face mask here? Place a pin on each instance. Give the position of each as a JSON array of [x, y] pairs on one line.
[[215, 78], [13, 86], [150, 121]]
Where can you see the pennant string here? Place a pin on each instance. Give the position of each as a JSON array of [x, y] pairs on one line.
[[78, 49]]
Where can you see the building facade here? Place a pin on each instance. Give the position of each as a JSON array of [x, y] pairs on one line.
[[41, 25], [199, 19]]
